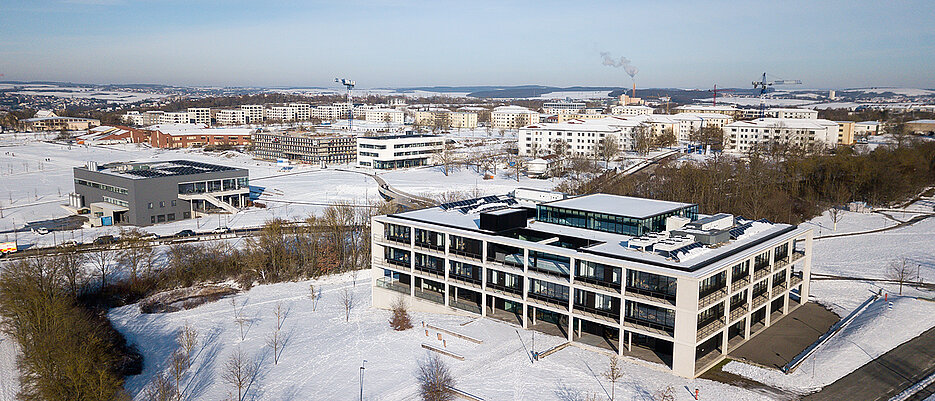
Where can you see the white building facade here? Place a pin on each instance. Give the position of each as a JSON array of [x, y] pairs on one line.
[[746, 136], [641, 278], [397, 151], [583, 137], [512, 117]]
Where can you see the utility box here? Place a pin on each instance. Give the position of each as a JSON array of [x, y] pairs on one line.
[[503, 219]]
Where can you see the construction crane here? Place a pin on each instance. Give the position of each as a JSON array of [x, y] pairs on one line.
[[349, 84], [764, 86], [715, 90]]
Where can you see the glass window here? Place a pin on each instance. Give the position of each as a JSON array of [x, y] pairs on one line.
[[170, 217], [149, 205], [654, 316], [650, 284], [160, 218]]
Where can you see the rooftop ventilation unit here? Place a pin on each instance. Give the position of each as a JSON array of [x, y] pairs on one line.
[[670, 244], [720, 221], [648, 240]]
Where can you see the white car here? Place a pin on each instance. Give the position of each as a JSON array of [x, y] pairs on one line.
[[42, 231]]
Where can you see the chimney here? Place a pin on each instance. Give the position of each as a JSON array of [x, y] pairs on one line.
[[633, 93]]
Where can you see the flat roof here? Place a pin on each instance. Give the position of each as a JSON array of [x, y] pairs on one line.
[[162, 169], [639, 208]]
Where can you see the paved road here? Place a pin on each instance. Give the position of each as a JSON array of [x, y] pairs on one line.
[[887, 375]]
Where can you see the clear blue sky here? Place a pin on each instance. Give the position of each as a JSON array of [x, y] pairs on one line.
[[831, 44]]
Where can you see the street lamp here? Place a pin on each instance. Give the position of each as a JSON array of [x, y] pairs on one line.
[[362, 380]]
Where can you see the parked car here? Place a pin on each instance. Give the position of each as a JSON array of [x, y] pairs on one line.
[[185, 233], [105, 240], [69, 243], [221, 230], [42, 231]]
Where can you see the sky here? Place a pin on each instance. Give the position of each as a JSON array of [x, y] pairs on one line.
[[395, 43]]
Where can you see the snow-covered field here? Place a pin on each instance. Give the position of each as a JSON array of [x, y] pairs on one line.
[[431, 181], [323, 353]]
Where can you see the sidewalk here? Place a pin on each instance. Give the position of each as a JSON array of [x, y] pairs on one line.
[[887, 375]]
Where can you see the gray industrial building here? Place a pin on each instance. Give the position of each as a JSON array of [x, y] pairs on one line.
[[142, 194]]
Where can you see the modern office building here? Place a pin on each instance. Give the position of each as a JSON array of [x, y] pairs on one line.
[[644, 278], [397, 151], [142, 194], [304, 147]]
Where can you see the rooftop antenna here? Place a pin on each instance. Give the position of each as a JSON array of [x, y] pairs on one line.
[[764, 87], [350, 106]]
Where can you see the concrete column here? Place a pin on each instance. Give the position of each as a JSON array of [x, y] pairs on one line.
[[525, 314], [724, 335], [483, 289], [629, 341]]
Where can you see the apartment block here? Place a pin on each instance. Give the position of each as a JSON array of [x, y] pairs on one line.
[[391, 116], [303, 147], [231, 117], [453, 119], [563, 107], [512, 117], [582, 136], [745, 136], [254, 113], [644, 278], [173, 117], [199, 115]]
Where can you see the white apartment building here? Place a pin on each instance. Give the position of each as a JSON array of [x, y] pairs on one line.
[[562, 107], [397, 151], [336, 111], [199, 115], [512, 117], [392, 116], [865, 128], [582, 136], [792, 113], [453, 119], [231, 117], [281, 113], [630, 110], [133, 118], [643, 278], [710, 109], [173, 117], [303, 111], [254, 113], [691, 122], [745, 136]]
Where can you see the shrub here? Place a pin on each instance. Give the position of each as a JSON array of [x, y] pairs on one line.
[[400, 320]]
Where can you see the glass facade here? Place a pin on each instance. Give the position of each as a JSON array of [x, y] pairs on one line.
[[397, 257], [609, 222], [504, 281], [468, 247], [395, 232], [652, 316], [464, 271], [597, 273], [649, 284], [430, 239], [227, 184], [740, 270], [712, 284], [550, 291], [430, 264]]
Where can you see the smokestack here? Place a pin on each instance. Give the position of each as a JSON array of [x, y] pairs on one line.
[[633, 93]]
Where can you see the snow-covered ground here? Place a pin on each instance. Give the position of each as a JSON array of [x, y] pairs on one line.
[[431, 181], [9, 381], [323, 353]]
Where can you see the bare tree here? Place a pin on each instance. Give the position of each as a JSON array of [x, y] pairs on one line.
[[613, 374], [447, 157], [103, 259], [178, 364], [239, 318], [642, 139], [136, 252], [666, 394], [836, 213], [73, 270], [435, 379], [275, 341], [314, 296], [160, 389], [187, 338], [347, 299], [608, 148], [901, 272], [238, 372]]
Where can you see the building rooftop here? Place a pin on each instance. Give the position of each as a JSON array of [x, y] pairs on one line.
[[678, 253], [639, 208], [795, 123], [390, 137], [161, 169]]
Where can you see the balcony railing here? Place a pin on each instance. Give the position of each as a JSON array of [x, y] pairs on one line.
[[468, 280], [760, 299], [430, 295], [467, 306], [396, 262], [429, 271], [758, 274], [650, 295], [401, 240], [780, 263], [393, 285], [431, 247], [711, 298], [710, 328], [464, 254], [795, 279], [549, 301], [739, 311], [596, 283], [740, 283], [603, 314], [796, 256], [505, 290], [779, 287], [651, 327]]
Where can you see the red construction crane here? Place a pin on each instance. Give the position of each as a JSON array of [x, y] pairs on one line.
[[715, 90]]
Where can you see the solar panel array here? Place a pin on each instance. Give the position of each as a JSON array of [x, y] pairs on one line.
[[176, 167], [471, 205], [738, 231], [686, 248]]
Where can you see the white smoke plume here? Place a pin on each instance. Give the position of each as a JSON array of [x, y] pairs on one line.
[[622, 63]]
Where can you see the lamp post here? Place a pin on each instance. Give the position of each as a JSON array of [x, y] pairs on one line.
[[362, 380]]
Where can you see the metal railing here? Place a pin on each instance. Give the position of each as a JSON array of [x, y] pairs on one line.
[[760, 299], [710, 328], [503, 289], [468, 280], [428, 271], [430, 296], [650, 295], [795, 279], [470, 307], [712, 297], [393, 285], [599, 284], [780, 263], [739, 283], [795, 256], [758, 274], [602, 314], [549, 301], [738, 312], [648, 326]]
